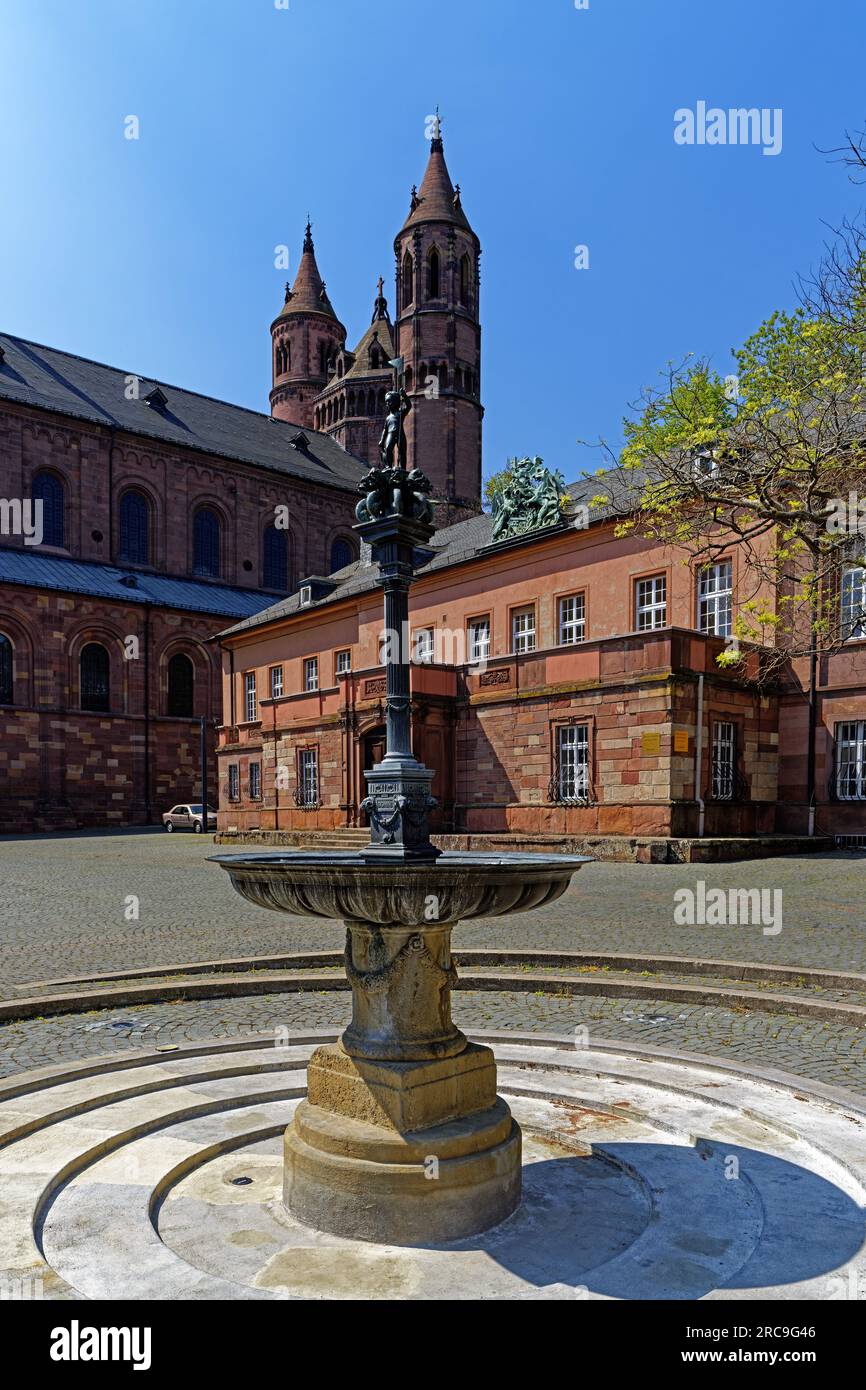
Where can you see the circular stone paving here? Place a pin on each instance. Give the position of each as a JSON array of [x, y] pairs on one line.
[[646, 1175]]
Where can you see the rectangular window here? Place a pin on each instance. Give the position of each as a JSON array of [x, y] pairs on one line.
[[311, 673], [724, 760], [651, 603], [715, 599], [255, 781], [250, 702], [572, 763], [423, 645], [853, 602], [572, 619], [344, 662], [276, 682], [851, 760], [523, 630], [308, 777], [234, 782], [479, 639]]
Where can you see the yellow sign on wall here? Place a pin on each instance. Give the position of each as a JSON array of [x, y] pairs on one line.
[[650, 743], [681, 741]]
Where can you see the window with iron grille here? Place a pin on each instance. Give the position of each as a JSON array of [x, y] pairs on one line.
[[851, 760], [572, 619], [724, 769], [423, 645], [234, 782], [571, 763], [715, 599], [344, 662], [206, 543], [276, 682], [255, 781], [251, 704], [134, 528], [523, 630], [311, 673], [853, 597], [308, 777], [652, 603], [479, 639]]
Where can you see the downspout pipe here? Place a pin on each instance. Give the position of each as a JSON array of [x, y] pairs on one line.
[[813, 722], [699, 755]]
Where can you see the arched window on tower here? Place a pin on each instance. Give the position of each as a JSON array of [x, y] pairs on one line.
[[48, 490], [94, 673], [181, 686], [206, 543], [443, 377], [433, 288], [409, 378], [408, 279], [465, 280], [7, 671], [135, 528], [342, 555], [275, 559]]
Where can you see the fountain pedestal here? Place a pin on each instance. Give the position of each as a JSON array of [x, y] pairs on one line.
[[402, 1138]]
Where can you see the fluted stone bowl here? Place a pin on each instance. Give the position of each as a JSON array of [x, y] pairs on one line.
[[340, 884]]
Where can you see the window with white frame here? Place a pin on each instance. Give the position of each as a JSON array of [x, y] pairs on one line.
[[308, 776], [251, 705], [651, 602], [479, 639], [234, 782], [344, 662], [851, 760], [572, 762], [715, 599], [255, 781], [572, 619], [853, 596], [724, 764], [423, 645], [523, 630], [311, 673], [276, 682]]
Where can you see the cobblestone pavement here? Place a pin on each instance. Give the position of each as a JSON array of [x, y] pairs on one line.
[[828, 1052], [68, 907]]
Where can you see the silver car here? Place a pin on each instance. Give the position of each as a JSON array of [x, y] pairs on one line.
[[189, 816]]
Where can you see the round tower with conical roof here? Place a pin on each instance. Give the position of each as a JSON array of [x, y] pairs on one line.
[[438, 333], [306, 337]]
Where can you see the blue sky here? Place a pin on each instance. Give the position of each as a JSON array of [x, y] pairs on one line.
[[157, 255]]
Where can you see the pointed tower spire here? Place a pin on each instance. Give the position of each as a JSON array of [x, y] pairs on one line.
[[436, 200], [307, 337]]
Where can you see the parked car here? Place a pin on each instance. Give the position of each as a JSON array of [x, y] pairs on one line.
[[188, 816]]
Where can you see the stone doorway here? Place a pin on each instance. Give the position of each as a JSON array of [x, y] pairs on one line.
[[373, 748]]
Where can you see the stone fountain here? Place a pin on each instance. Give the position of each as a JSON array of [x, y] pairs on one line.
[[402, 1138]]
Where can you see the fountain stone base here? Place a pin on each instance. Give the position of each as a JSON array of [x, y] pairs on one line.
[[402, 1138]]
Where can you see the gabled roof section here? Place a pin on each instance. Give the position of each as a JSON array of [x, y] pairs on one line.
[[451, 546], [34, 570], [49, 379]]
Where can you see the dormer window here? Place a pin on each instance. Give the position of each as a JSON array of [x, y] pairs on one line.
[[299, 441], [704, 465], [306, 595], [156, 399]]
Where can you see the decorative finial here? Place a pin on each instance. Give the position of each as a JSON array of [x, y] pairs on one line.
[[457, 202], [322, 292], [308, 235], [414, 199], [380, 285], [380, 308], [288, 291]]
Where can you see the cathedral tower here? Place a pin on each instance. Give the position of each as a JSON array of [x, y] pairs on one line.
[[438, 334], [306, 336]]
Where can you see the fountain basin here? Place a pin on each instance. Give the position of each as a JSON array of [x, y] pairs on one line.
[[402, 1138]]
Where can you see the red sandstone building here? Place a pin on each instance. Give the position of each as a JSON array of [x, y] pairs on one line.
[[167, 515]]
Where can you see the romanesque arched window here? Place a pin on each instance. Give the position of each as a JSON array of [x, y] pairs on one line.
[[342, 554], [351, 403], [433, 274], [275, 559], [408, 279], [135, 528], [7, 671], [48, 490], [443, 377], [181, 686], [465, 280], [94, 671], [409, 378], [206, 543]]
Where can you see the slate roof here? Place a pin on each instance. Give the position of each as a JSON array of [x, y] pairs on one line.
[[436, 196], [35, 570], [59, 381], [452, 546]]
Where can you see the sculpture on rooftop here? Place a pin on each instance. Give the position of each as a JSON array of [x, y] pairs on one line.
[[531, 499]]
